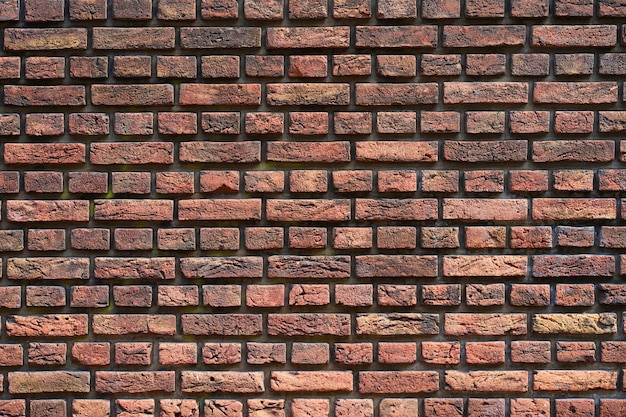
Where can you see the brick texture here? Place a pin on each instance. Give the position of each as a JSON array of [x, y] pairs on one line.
[[312, 208]]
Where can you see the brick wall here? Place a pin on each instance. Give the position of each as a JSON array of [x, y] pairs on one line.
[[312, 208]]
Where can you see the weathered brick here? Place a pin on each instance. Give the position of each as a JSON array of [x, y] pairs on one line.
[[396, 209], [483, 151], [396, 151], [45, 39], [398, 382], [311, 381], [221, 324], [562, 36], [396, 266], [48, 381], [132, 94], [308, 37], [128, 38], [577, 151], [573, 381], [483, 36], [309, 324], [224, 382], [572, 323], [220, 94], [397, 324], [22, 211], [125, 324], [575, 92], [485, 324], [396, 94], [128, 209], [487, 381], [134, 382]]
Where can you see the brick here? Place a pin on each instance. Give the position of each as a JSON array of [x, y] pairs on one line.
[[90, 408], [176, 66], [483, 122], [551, 380], [396, 36], [311, 381], [10, 124], [132, 66], [530, 295], [573, 64], [40, 68], [396, 237], [483, 151], [134, 408], [309, 294], [452, 407], [265, 296], [132, 95], [91, 354], [130, 182], [264, 123], [220, 94], [46, 240], [352, 238], [398, 382], [45, 296], [132, 296], [574, 8], [575, 236], [308, 123], [573, 209], [47, 268], [396, 94], [309, 324], [90, 239], [485, 209], [483, 92], [440, 65], [487, 381], [303, 407], [396, 65], [487, 181], [220, 152], [22, 95], [216, 9], [483, 36], [128, 209], [529, 121], [174, 183], [89, 296], [221, 324], [11, 297], [571, 352], [264, 181], [11, 355], [396, 151], [581, 151], [133, 353], [226, 382], [396, 266], [89, 67], [128, 38], [307, 237], [219, 181], [45, 39], [560, 36], [405, 9], [223, 408], [572, 323], [397, 324], [43, 182], [307, 66], [88, 124], [220, 66], [485, 324], [134, 382], [308, 9], [221, 353], [302, 94], [309, 266], [47, 211], [397, 352], [396, 209], [176, 10], [48, 381], [133, 239], [88, 10], [440, 122], [485, 64], [310, 353], [352, 181], [308, 181], [396, 122], [612, 121], [612, 64], [308, 37], [575, 92], [224, 209], [396, 295], [532, 65], [530, 352], [308, 210], [354, 295], [222, 267], [10, 10], [260, 408], [220, 37], [50, 408], [441, 353], [265, 66], [485, 237], [353, 353]]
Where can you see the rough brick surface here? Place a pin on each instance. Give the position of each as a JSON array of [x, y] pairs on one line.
[[312, 208]]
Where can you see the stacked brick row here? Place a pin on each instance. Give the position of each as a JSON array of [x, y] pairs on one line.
[[312, 208]]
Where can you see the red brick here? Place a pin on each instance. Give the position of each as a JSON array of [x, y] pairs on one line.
[[308, 123], [178, 353], [354, 295], [42, 240], [182, 408], [485, 92], [309, 324], [225, 209], [89, 296], [396, 237], [222, 267], [311, 66], [128, 324], [310, 353], [221, 353], [219, 9], [132, 95], [573, 265], [134, 353], [305, 9], [220, 66], [264, 353], [176, 10], [265, 66], [573, 381], [132, 296], [575, 92], [530, 352], [575, 352], [264, 181], [264, 123], [487, 381], [138, 153], [174, 183], [221, 295], [440, 122], [89, 67], [485, 324], [353, 353], [451, 407], [220, 152], [529, 121], [265, 296], [129, 38], [220, 37], [533, 65], [354, 408], [45, 39], [486, 181], [398, 382], [48, 382], [223, 382], [10, 297], [483, 36], [309, 407], [43, 182], [573, 64], [484, 122], [396, 94], [221, 324], [91, 353], [440, 65], [40, 68], [176, 66], [530, 295], [308, 37], [89, 124], [352, 238], [307, 237], [561, 36], [578, 151], [352, 65]]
